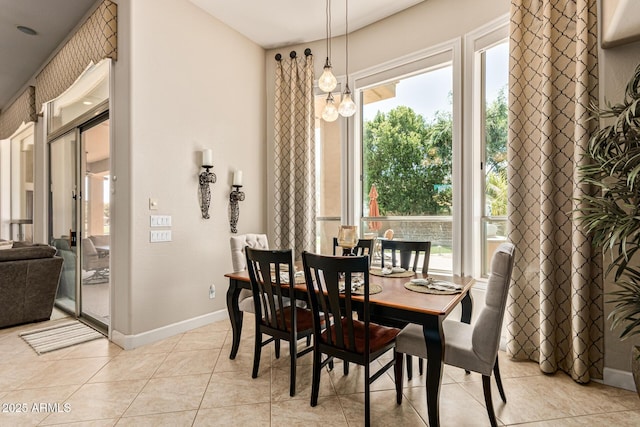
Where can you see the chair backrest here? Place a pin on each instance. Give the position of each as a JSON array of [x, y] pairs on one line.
[[408, 252], [268, 271], [364, 247], [239, 242], [488, 326], [329, 281], [88, 248]]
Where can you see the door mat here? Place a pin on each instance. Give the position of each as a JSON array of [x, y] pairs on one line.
[[60, 336]]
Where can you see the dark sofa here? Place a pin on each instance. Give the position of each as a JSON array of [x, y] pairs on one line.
[[29, 276]]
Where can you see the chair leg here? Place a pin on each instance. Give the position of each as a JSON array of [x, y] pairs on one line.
[[367, 396], [420, 365], [398, 374], [409, 367], [293, 350], [257, 351], [315, 381], [496, 373], [308, 340], [345, 367], [277, 349], [486, 386]]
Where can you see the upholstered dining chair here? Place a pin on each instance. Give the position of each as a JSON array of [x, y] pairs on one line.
[[239, 261], [352, 340], [472, 347], [268, 272], [363, 247]]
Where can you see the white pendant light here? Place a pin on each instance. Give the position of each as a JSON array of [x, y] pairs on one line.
[[347, 107], [327, 81], [330, 112]]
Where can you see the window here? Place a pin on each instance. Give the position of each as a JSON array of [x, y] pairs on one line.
[[408, 146], [488, 52]]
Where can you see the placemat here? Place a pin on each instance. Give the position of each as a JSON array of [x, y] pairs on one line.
[[378, 272], [374, 288], [426, 290]]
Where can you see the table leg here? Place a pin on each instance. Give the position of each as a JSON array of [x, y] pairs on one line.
[[467, 308], [434, 339], [235, 315]]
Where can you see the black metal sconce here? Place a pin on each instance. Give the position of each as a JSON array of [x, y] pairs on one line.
[[207, 177], [235, 197]]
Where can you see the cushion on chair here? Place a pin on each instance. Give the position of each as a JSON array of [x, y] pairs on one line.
[[304, 318], [239, 242], [379, 336]]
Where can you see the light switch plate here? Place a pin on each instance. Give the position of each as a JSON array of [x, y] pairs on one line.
[[160, 220], [156, 236]]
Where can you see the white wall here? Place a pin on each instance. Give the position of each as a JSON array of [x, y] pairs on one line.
[[184, 82]]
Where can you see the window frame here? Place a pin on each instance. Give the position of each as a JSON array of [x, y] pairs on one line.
[[447, 53], [476, 43]]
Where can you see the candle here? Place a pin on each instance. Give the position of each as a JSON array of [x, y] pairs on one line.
[[207, 157], [237, 178]]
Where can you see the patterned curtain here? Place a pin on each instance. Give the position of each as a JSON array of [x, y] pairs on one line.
[[22, 110], [295, 175], [555, 313], [95, 40]]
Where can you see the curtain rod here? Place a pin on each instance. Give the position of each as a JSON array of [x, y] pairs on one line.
[[293, 54]]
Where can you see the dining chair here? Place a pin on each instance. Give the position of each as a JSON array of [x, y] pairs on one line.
[[238, 260], [329, 283], [363, 247], [269, 271], [472, 347], [407, 254]]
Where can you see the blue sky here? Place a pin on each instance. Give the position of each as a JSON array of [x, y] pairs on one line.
[[429, 92]]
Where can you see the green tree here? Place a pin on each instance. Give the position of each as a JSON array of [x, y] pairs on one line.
[[409, 160], [496, 129], [496, 133]]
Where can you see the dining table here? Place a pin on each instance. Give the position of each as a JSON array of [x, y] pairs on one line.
[[394, 302]]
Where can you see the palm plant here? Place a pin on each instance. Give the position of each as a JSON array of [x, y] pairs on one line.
[[612, 213]]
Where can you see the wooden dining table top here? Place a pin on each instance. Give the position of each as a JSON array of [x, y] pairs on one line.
[[396, 296]]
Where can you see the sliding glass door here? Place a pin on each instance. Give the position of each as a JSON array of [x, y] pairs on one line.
[[63, 214], [79, 218]]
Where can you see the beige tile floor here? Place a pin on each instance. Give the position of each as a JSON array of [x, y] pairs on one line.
[[189, 380]]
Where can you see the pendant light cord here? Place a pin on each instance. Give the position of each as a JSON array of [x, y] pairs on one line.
[[328, 28], [346, 38]]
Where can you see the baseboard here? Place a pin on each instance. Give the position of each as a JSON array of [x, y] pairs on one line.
[[129, 342], [618, 378]]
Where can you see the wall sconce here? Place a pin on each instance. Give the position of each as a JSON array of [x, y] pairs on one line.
[[235, 197], [206, 178]]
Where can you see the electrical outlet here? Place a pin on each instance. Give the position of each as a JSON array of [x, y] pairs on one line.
[[212, 291]]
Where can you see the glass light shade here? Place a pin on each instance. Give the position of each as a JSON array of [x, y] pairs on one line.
[[327, 81], [347, 107], [330, 112], [348, 236]]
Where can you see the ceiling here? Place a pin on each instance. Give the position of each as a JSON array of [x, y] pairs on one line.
[[278, 23], [270, 24], [22, 55]]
